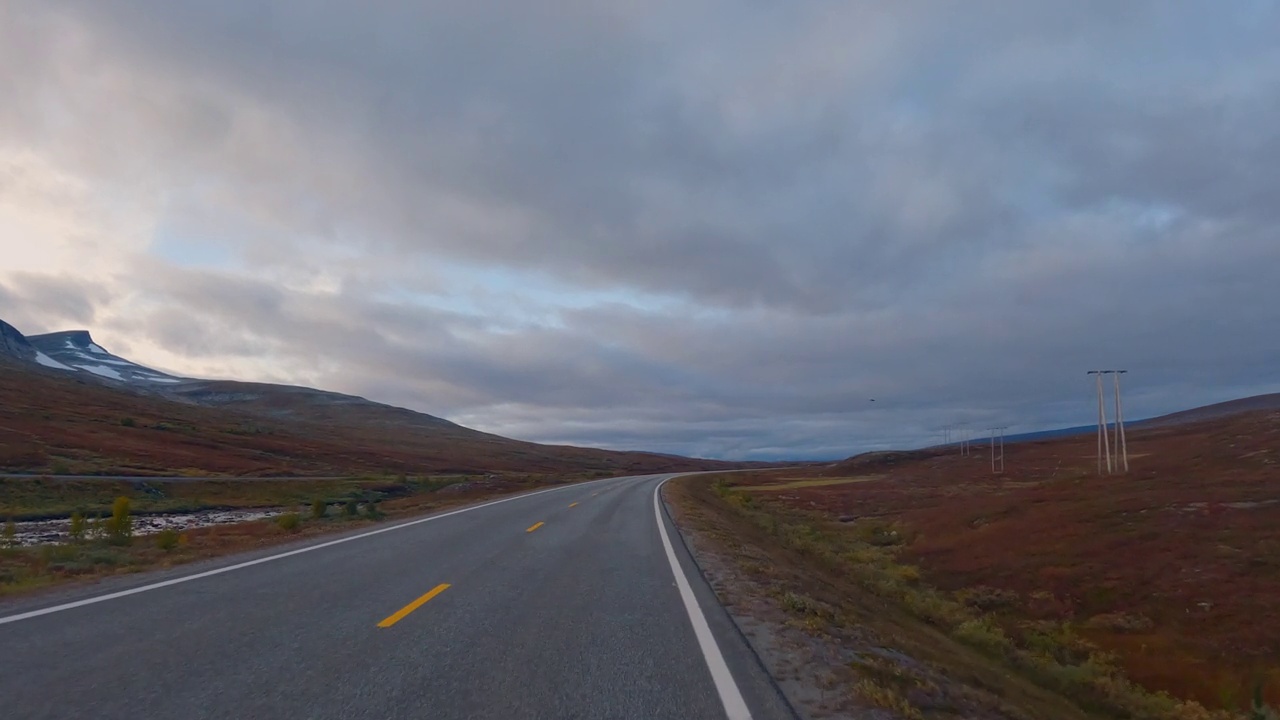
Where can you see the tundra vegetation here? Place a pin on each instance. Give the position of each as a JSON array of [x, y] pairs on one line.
[[104, 517], [1148, 595]]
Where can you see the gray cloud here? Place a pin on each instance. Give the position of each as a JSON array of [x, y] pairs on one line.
[[773, 216], [41, 303]]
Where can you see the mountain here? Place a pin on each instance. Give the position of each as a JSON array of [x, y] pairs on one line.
[[68, 406], [75, 350], [13, 344]]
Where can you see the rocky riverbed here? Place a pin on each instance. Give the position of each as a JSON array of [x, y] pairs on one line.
[[43, 532]]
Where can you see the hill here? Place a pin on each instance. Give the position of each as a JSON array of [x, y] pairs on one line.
[[1165, 576], [68, 406]]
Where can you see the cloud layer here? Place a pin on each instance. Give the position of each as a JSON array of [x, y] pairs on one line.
[[698, 227]]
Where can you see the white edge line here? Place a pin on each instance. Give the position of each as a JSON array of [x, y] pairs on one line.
[[735, 707], [259, 561]]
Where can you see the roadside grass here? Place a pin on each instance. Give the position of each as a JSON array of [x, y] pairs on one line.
[[1174, 569], [793, 484], [93, 554], [856, 571], [45, 498]]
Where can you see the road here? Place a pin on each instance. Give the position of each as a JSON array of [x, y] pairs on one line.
[[564, 604]]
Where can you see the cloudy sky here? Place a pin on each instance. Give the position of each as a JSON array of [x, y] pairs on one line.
[[699, 226]]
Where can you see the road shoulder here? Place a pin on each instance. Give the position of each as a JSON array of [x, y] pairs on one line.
[[837, 653]]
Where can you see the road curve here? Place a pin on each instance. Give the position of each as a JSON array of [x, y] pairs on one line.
[[556, 605]]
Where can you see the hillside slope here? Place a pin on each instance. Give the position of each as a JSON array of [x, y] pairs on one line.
[[52, 422], [68, 406]]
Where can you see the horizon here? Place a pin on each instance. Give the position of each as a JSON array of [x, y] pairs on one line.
[[977, 437], [818, 231]]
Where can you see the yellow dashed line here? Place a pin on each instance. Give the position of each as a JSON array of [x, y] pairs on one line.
[[404, 611]]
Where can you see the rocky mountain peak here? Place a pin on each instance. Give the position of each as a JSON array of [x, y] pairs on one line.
[[77, 338], [13, 342]]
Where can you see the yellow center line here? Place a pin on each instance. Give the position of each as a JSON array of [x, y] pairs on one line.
[[573, 504], [535, 527], [404, 612]]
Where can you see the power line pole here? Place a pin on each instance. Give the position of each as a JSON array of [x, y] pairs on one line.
[[1104, 446], [997, 441], [1121, 462], [1122, 447]]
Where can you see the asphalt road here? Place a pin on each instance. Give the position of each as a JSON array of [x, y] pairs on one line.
[[559, 605]]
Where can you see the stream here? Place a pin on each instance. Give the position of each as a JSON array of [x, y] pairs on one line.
[[44, 532]]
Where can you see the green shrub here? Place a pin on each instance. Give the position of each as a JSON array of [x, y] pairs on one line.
[[319, 508], [167, 539], [128, 422], [10, 533], [95, 528], [984, 635], [372, 511], [351, 508], [78, 527], [120, 525], [289, 522], [801, 604], [882, 534], [889, 698]]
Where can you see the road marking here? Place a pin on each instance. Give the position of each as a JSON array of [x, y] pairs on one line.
[[735, 707], [535, 527], [573, 504], [291, 553], [404, 611]]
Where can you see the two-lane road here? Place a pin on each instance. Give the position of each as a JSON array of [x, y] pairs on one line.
[[572, 603]]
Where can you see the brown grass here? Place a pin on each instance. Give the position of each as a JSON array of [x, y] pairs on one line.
[[61, 425], [1174, 568], [25, 570]]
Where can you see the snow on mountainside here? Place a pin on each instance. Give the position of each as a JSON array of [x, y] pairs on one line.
[[77, 352]]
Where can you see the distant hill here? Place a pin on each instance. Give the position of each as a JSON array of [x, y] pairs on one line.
[[1215, 411], [68, 406], [1231, 408], [1182, 417]]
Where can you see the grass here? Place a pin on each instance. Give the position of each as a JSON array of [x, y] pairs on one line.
[[289, 522], [858, 570], [63, 425], [47, 498], [889, 698], [808, 483], [1169, 570], [365, 500]]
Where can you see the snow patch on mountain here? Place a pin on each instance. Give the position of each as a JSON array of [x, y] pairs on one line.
[[76, 351], [49, 362], [103, 371]]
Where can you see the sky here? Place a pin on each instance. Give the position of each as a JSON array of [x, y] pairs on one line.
[[728, 229]]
